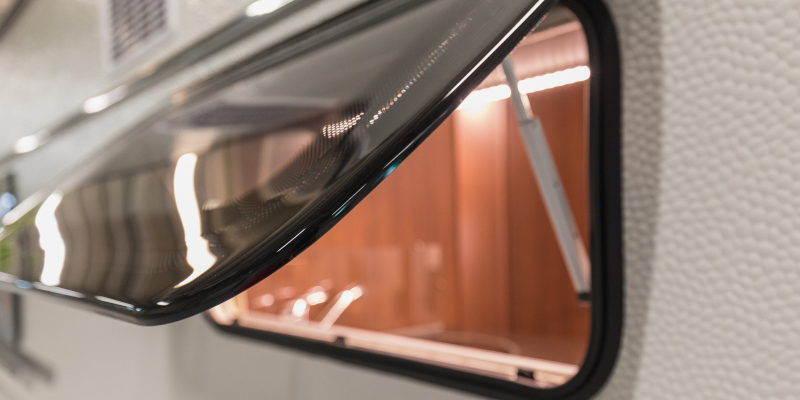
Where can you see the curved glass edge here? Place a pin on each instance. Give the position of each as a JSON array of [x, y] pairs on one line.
[[300, 231], [606, 254]]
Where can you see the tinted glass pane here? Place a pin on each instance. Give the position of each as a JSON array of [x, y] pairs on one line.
[[240, 172]]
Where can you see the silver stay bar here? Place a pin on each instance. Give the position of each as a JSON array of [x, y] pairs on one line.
[[572, 247]]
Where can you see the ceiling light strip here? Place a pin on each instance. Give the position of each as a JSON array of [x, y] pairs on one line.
[[530, 85]]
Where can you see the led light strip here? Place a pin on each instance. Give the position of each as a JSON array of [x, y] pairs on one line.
[[530, 85]]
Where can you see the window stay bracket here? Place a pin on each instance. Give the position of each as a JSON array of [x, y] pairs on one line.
[[572, 247]]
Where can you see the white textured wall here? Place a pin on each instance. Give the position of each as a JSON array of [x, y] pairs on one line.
[[712, 200]]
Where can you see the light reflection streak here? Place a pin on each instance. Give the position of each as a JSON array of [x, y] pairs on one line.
[[526, 86], [496, 46], [484, 96], [299, 308], [50, 240], [345, 298], [421, 69], [24, 207], [555, 79], [332, 130], [316, 295], [58, 290], [296, 311], [28, 143], [114, 302], [348, 201], [101, 102], [262, 7], [198, 254], [290, 240]]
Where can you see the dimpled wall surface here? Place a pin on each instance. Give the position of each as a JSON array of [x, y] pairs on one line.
[[712, 200]]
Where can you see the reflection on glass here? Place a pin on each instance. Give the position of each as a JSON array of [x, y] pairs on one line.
[[335, 310], [26, 144], [198, 254], [220, 189], [554, 79], [101, 102], [114, 302], [262, 7], [50, 240], [58, 290], [297, 311], [316, 295], [338, 128], [527, 86], [483, 96]]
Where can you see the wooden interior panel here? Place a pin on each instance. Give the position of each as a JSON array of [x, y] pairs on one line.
[[543, 300], [482, 216]]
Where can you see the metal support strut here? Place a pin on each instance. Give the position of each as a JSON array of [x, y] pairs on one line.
[[569, 240]]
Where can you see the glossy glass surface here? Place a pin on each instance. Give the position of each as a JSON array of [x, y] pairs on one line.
[[244, 171], [453, 259]]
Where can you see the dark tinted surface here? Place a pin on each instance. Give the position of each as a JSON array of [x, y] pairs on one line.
[[215, 194]]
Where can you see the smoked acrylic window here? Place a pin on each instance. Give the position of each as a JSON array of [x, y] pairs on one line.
[[453, 260]]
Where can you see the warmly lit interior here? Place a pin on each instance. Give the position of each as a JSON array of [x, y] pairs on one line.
[[453, 258]]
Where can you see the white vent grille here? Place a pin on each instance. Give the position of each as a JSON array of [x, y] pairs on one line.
[[133, 27]]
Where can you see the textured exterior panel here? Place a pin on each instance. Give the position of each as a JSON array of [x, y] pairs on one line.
[[712, 212]]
